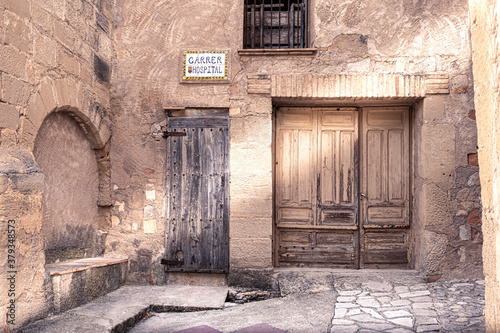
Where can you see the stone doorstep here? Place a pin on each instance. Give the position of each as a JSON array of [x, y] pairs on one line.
[[121, 309], [67, 267]]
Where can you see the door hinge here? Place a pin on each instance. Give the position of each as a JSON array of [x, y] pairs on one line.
[[166, 134]]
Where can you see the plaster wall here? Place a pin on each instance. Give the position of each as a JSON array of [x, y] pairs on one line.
[[70, 216], [354, 38], [485, 22]]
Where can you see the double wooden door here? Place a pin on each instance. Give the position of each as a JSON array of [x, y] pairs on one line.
[[342, 187]]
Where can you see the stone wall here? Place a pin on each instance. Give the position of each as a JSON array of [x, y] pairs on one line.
[[353, 38], [486, 56], [22, 289], [55, 56]]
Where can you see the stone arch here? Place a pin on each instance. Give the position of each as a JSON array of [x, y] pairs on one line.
[[70, 147]]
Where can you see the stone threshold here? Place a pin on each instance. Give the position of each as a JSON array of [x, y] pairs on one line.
[[68, 267]]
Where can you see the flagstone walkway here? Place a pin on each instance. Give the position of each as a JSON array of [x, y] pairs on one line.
[[397, 307]]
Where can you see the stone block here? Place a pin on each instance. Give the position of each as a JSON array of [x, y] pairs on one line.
[[434, 247], [72, 287], [101, 93], [60, 9], [20, 7], [13, 62], [472, 159], [115, 220], [27, 133], [251, 185], [104, 133], [251, 162], [15, 91], [39, 5], [149, 226], [435, 206], [87, 10], [86, 73], [251, 207], [106, 7], [9, 116], [250, 253], [473, 217], [437, 152], [433, 108], [251, 131], [45, 50], [68, 62], [36, 110], [197, 279], [63, 92], [17, 32], [47, 94], [102, 22], [76, 20], [248, 227], [65, 34]]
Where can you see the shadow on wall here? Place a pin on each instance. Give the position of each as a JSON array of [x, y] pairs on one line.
[[70, 218]]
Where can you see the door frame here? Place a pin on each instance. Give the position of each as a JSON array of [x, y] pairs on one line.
[[411, 171]]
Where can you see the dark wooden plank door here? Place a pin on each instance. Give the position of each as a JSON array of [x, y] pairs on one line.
[[385, 186], [197, 207], [316, 187]]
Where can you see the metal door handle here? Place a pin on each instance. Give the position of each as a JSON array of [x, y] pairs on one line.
[[363, 195]]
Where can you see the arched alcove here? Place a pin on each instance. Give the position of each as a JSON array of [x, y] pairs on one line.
[[70, 221]]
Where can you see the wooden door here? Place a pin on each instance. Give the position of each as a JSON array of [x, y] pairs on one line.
[[316, 187], [385, 188], [197, 207], [318, 220]]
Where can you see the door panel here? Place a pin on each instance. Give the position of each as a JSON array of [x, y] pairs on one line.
[[296, 164], [385, 188], [320, 248], [316, 169], [338, 140], [197, 196]]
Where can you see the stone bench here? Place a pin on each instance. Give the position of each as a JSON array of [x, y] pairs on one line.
[[76, 282]]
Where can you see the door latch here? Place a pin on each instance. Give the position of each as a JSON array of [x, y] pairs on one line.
[[363, 195], [167, 134]]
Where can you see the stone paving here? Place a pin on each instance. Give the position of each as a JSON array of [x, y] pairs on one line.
[[396, 307], [317, 301]]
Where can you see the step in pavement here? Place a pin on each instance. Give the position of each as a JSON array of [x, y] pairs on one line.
[[121, 309]]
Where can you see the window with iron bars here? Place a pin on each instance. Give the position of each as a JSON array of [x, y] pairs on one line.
[[275, 24]]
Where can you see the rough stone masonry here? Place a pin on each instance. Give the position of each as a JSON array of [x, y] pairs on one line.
[[84, 84]]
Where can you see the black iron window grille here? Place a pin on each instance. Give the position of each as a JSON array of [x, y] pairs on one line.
[[275, 24]]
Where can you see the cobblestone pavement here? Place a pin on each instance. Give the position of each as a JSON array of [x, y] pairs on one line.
[[396, 307]]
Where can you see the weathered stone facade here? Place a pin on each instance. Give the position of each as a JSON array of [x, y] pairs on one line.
[[113, 68], [485, 22], [358, 61], [48, 64]]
